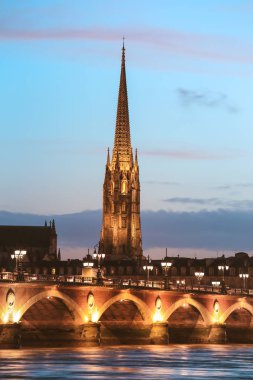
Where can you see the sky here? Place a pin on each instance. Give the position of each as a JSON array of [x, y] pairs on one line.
[[189, 76]]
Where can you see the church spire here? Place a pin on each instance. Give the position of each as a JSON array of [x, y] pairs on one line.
[[108, 158], [121, 227], [122, 139], [136, 159]]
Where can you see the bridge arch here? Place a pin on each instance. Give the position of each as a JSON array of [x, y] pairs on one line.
[[235, 306], [72, 305], [201, 309], [142, 306]]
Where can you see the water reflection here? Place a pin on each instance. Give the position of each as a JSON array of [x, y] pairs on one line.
[[148, 362]]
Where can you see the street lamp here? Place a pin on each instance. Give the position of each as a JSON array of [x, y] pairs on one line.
[[180, 283], [99, 257], [166, 264], [244, 276], [215, 284], [88, 264], [199, 276], [148, 267], [18, 256], [223, 268]]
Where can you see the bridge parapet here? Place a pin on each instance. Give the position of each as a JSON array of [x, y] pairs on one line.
[[76, 280]]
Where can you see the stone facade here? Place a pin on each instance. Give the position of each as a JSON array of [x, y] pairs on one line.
[[121, 225]]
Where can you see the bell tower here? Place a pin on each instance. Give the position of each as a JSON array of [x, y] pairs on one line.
[[121, 225]]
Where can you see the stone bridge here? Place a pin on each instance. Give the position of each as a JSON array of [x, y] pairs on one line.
[[40, 314]]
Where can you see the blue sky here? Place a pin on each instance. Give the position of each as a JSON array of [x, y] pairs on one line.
[[189, 75]]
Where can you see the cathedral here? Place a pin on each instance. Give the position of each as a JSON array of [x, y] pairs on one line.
[[121, 224], [39, 242]]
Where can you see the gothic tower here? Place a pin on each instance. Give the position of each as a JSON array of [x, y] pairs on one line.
[[121, 226]]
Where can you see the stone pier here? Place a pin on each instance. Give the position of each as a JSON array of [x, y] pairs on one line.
[[159, 333], [217, 334], [91, 334], [10, 335]]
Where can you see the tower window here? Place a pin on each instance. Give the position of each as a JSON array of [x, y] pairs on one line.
[[123, 222], [124, 187]]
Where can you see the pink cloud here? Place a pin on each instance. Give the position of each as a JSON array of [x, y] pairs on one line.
[[214, 48], [188, 154]]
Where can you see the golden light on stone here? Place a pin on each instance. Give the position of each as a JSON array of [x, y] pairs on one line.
[[216, 307], [9, 315], [95, 316], [91, 308], [121, 226], [158, 317], [16, 317], [5, 317], [216, 310], [91, 301]]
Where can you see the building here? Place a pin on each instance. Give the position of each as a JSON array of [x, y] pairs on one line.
[[121, 225], [39, 242]]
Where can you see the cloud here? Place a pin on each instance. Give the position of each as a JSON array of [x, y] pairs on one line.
[[215, 230], [205, 99], [221, 187], [229, 230], [198, 201], [189, 154], [221, 203], [177, 42], [169, 183], [247, 184], [236, 185], [59, 34]]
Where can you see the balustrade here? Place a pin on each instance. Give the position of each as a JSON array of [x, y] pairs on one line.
[[122, 283]]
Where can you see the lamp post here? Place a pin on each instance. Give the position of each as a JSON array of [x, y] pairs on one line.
[[18, 257], [166, 264], [87, 261], [215, 284], [87, 265], [148, 267], [223, 268], [199, 276], [244, 276], [99, 257], [13, 256], [180, 283]]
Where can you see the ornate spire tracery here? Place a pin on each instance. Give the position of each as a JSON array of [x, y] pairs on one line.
[[122, 139], [121, 226]]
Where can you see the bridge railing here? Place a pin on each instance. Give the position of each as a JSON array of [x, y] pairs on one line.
[[119, 283]]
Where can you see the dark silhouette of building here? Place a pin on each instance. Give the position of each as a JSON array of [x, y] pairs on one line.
[[121, 225], [39, 242]]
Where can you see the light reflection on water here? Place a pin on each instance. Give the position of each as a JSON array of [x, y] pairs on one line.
[[128, 362]]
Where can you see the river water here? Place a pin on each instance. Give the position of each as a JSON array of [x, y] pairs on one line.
[[128, 362]]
